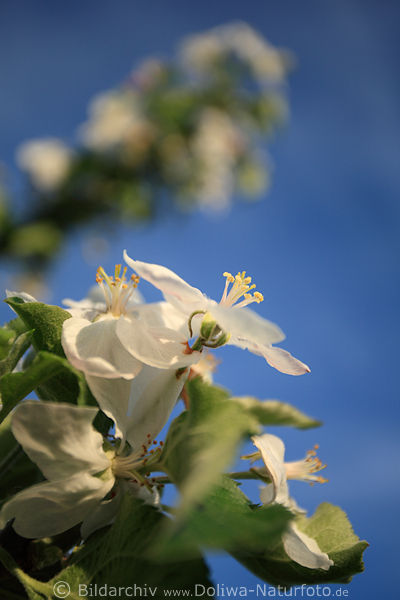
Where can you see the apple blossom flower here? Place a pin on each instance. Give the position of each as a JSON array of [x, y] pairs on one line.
[[114, 338], [234, 323], [298, 546], [87, 475]]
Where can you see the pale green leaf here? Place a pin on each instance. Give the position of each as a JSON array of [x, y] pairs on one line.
[[224, 520], [275, 412], [203, 441], [17, 350], [330, 527]]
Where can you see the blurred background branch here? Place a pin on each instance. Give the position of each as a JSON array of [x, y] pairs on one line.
[[189, 132]]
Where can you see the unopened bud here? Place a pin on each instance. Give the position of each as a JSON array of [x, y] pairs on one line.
[[208, 326]]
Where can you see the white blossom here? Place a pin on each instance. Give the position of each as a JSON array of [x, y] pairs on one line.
[[299, 547], [116, 337], [116, 118], [87, 475], [47, 161], [239, 325]]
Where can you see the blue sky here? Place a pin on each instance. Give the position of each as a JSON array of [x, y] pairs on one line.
[[323, 246]]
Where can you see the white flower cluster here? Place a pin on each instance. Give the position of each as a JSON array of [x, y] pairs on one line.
[[198, 134], [136, 358], [204, 52]]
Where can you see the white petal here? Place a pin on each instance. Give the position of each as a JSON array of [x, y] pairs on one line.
[[102, 515], [272, 451], [283, 361], [162, 314], [267, 494], [112, 396], [165, 280], [246, 325], [96, 349], [158, 347], [304, 550], [154, 394], [23, 295], [52, 507], [59, 438], [150, 497]]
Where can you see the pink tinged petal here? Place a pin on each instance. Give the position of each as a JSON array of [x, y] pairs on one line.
[[246, 325], [272, 452], [52, 507], [283, 361], [165, 280], [154, 394], [305, 550], [157, 347], [95, 348], [112, 396], [59, 438]]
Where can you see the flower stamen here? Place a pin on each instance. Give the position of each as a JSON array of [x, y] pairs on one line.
[[240, 288], [305, 469], [117, 291]]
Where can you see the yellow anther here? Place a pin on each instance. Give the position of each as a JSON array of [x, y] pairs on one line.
[[229, 277], [240, 289], [116, 292]]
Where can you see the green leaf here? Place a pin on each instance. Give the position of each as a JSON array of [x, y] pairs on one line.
[[8, 333], [36, 590], [330, 527], [51, 376], [46, 320], [203, 440], [224, 520], [67, 384], [17, 350], [119, 556], [16, 386], [274, 412], [17, 471]]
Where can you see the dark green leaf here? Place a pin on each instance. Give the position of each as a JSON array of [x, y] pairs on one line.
[[119, 556], [16, 386], [17, 471], [51, 376]]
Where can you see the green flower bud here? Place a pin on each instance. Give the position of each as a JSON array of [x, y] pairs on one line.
[[208, 326]]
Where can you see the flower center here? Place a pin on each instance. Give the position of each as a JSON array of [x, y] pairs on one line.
[[131, 467], [240, 288], [117, 289], [305, 469]]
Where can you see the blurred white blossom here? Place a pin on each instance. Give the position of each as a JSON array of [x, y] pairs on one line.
[[116, 118], [216, 146], [203, 52], [46, 160]]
